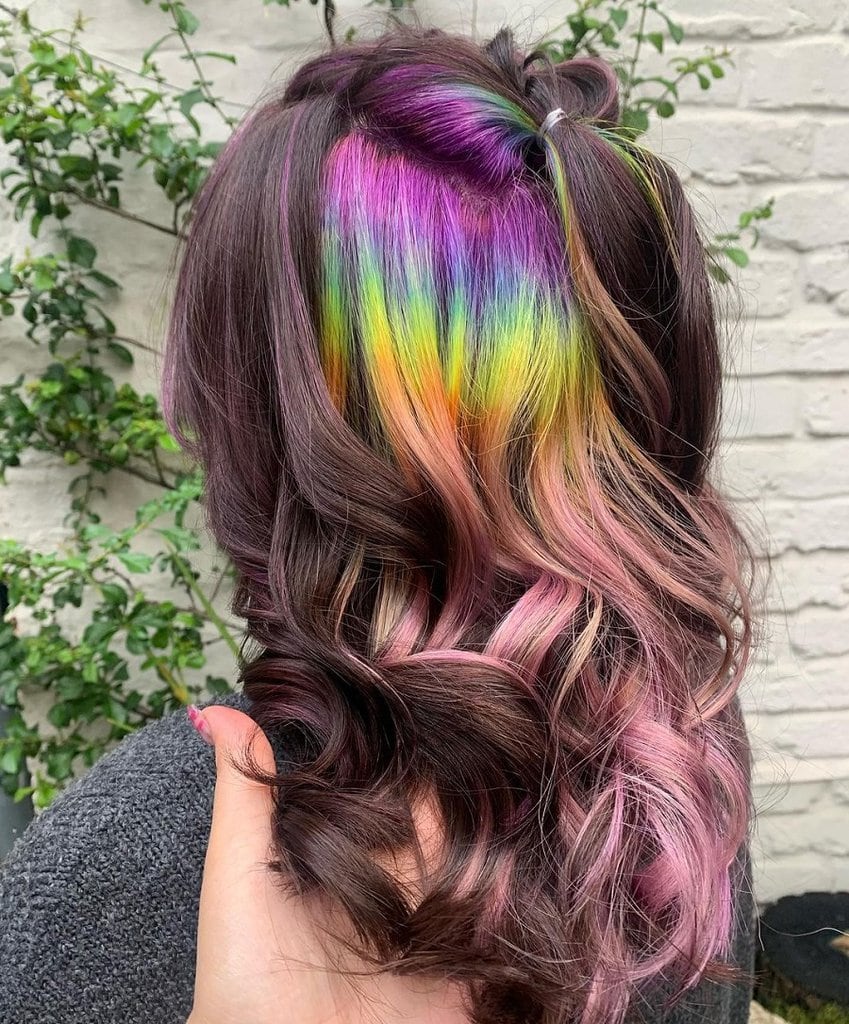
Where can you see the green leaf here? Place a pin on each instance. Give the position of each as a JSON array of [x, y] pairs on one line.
[[189, 100], [119, 452], [104, 279], [121, 352], [215, 684], [12, 759], [81, 251], [635, 118], [675, 30], [181, 538], [96, 632], [60, 715], [216, 54], [137, 643], [43, 279], [618, 15], [656, 39], [114, 594], [58, 764], [124, 116], [151, 50], [135, 561], [185, 21], [43, 794], [43, 204], [168, 443], [738, 256], [66, 67], [665, 108], [42, 53], [79, 167]]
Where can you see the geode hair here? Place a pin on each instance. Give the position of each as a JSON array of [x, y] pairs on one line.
[[454, 384]]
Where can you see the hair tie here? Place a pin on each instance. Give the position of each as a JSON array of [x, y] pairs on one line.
[[551, 119]]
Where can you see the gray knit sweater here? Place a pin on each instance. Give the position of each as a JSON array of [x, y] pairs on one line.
[[99, 896]]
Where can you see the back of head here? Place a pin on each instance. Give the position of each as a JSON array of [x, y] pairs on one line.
[[454, 383]]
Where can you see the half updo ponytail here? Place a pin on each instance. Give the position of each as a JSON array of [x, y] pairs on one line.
[[454, 383]]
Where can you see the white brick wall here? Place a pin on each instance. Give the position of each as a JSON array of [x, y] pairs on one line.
[[781, 131], [778, 124]]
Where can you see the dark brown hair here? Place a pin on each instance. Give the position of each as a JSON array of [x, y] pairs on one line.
[[454, 383]]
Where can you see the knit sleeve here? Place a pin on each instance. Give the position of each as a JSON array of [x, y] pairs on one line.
[[99, 897]]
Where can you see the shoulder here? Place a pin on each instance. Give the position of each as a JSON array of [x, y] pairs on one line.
[[99, 896]]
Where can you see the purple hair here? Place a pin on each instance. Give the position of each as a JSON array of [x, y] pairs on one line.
[[454, 384]]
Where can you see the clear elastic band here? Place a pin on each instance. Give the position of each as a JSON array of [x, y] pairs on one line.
[[551, 119]]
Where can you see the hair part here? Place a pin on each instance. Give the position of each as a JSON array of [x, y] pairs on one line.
[[455, 388]]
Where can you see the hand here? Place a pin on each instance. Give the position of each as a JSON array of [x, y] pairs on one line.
[[258, 957]]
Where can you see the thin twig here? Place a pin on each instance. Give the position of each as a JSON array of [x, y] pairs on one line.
[[225, 572], [163, 480], [329, 17], [147, 477], [202, 81], [129, 341], [636, 56], [119, 212], [212, 614]]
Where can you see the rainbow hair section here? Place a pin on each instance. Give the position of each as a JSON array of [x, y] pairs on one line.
[[452, 310]]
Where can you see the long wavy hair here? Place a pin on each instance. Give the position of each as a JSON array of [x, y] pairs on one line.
[[454, 383]]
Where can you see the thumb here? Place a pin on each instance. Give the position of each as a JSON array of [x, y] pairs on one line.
[[242, 808]]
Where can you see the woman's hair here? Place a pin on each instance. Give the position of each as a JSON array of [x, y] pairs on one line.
[[454, 385]]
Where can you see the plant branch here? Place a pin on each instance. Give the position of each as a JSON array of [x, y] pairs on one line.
[[125, 214], [632, 72], [130, 341], [202, 80], [140, 474], [221, 577], [206, 604], [670, 88], [329, 18]]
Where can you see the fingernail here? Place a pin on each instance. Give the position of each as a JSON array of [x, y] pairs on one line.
[[199, 722]]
